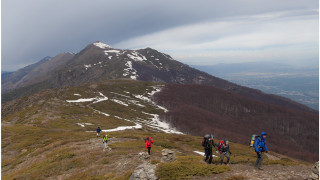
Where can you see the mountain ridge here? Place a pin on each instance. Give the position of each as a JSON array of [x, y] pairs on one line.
[[99, 62]]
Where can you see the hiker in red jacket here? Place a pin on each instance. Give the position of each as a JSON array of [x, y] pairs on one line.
[[149, 141]]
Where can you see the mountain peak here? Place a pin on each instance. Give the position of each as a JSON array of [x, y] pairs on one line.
[[101, 45]]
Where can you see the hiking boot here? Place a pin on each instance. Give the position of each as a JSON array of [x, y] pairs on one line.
[[260, 168]]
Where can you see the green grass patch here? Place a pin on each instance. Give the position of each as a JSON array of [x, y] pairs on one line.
[[187, 167]]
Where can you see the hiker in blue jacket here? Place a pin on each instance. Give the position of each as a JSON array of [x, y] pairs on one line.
[[98, 132], [260, 147]]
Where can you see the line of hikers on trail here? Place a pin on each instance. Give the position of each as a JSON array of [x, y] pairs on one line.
[[223, 148], [104, 138], [147, 140]]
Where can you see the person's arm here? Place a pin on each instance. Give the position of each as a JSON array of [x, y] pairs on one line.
[[265, 147], [256, 148], [229, 150], [213, 144]]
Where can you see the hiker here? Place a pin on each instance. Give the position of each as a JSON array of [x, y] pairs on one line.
[[98, 132], [260, 147], [149, 141], [105, 141], [224, 150], [208, 143]]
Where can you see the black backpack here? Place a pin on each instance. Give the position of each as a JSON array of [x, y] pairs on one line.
[[205, 142]]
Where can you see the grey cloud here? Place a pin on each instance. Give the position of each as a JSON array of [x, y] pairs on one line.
[[35, 28]]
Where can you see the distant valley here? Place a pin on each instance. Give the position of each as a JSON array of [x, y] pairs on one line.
[[298, 84]]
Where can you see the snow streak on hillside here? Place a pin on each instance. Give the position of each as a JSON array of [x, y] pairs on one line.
[[95, 99], [130, 102]]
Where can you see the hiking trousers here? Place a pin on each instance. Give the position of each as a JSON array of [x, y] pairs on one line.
[[259, 159], [224, 154], [208, 154], [149, 148]]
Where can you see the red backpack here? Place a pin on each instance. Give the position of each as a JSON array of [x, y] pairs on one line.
[[220, 144]]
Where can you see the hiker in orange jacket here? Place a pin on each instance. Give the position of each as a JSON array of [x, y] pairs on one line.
[[149, 141]]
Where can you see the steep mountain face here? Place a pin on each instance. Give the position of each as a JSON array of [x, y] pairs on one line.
[[9, 80], [198, 110], [99, 62], [35, 73]]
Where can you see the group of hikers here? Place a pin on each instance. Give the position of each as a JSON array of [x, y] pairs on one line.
[[223, 148], [104, 138], [147, 140]]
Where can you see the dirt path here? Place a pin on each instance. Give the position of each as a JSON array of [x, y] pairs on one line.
[[270, 172]]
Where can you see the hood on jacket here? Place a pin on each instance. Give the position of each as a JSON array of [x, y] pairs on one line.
[[262, 134]]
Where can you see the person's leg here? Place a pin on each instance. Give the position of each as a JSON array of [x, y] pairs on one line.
[[258, 159], [206, 154], [228, 157], [221, 158], [210, 157], [261, 158], [149, 148]]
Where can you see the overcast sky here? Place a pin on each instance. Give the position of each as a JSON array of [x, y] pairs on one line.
[[203, 32]]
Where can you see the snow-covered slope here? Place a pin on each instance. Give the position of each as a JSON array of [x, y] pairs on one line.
[[143, 101]]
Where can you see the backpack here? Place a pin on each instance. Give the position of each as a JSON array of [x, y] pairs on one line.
[[253, 138], [259, 138], [105, 138], [220, 145], [205, 142]]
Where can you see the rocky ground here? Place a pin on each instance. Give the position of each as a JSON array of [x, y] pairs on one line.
[[270, 172]]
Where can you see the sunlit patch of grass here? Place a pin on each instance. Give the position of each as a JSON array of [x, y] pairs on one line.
[[187, 167]]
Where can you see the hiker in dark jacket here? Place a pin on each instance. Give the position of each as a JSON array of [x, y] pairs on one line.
[[224, 150], [98, 132], [260, 147], [208, 143]]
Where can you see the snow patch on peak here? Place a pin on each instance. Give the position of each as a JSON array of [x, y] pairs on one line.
[[130, 71], [134, 55], [101, 45]]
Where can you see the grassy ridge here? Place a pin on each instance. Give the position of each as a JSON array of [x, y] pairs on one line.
[[40, 138]]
